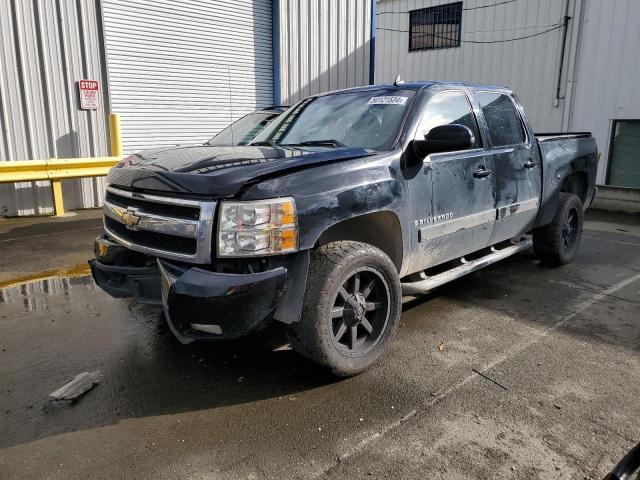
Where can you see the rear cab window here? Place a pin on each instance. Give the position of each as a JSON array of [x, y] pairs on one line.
[[503, 119]]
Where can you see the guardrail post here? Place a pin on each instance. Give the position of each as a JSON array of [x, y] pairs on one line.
[[114, 135], [58, 202]]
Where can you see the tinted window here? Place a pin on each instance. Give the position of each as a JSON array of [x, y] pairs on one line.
[[449, 108], [505, 127]]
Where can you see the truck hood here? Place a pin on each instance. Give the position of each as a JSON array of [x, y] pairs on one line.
[[217, 171]]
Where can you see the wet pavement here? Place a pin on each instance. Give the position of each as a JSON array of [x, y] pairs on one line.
[[37, 247], [539, 377]]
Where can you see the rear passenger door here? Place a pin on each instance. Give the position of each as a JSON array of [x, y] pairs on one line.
[[462, 203], [516, 167]]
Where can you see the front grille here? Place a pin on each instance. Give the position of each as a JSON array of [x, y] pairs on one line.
[[157, 241], [166, 227], [163, 209]]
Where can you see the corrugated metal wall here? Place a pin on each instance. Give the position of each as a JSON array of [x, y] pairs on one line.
[[180, 72], [324, 46], [608, 71], [45, 48], [529, 66]]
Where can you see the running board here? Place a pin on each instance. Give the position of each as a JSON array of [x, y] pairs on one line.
[[467, 266]]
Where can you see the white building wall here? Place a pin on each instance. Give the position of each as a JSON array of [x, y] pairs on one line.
[[601, 70], [528, 66], [607, 77], [324, 45]]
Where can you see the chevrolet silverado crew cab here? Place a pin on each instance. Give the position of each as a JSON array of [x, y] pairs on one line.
[[342, 204]]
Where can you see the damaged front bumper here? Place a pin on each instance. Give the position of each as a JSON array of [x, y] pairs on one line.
[[198, 303]]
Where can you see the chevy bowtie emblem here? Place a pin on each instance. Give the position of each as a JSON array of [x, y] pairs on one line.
[[130, 219]]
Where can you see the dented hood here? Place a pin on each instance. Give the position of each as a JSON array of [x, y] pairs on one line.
[[217, 171]]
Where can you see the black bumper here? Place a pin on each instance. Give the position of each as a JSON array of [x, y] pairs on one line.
[[141, 283], [198, 303]]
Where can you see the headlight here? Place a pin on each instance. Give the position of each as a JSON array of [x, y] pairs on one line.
[[263, 227]]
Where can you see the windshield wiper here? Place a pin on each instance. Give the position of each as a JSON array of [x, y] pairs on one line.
[[315, 143], [264, 143]]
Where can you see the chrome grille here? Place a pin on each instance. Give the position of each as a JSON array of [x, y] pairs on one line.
[[158, 241], [168, 210], [166, 227]]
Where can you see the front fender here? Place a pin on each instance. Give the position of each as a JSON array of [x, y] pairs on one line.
[[330, 194]]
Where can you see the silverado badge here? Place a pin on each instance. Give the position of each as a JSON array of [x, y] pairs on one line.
[[434, 219]]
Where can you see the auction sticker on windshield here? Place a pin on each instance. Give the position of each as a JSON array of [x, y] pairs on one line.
[[388, 100]]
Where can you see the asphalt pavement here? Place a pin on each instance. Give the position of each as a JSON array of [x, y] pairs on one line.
[[515, 371]]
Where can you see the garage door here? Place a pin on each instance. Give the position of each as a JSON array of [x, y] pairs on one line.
[[180, 71]]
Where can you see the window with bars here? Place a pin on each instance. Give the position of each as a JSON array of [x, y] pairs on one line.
[[435, 27]]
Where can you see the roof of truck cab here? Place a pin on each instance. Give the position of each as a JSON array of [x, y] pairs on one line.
[[418, 85]]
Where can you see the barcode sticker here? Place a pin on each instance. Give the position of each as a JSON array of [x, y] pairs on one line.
[[388, 100]]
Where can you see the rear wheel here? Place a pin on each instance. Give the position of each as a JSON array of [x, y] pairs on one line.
[[351, 307], [557, 243]]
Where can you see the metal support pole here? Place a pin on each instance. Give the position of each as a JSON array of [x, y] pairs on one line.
[[275, 41], [564, 44], [372, 42], [58, 202], [114, 134]]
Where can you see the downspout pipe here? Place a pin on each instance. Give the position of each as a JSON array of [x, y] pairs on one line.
[[574, 61], [564, 44], [372, 42], [275, 40]]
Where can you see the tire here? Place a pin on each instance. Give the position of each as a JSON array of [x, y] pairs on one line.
[[337, 306], [557, 243]]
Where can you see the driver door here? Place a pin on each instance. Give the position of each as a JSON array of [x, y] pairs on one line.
[[459, 216]]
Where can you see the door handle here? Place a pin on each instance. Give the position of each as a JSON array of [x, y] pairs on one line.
[[481, 173], [529, 164]]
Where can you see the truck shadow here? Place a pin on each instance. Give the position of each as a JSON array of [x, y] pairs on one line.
[[145, 373], [528, 291]]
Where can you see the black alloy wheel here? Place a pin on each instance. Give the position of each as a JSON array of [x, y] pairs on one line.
[[570, 230], [351, 308], [360, 312], [557, 242]]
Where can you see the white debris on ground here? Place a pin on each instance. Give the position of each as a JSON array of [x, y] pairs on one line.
[[80, 384]]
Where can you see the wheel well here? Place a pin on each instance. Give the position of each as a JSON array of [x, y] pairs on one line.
[[576, 183], [380, 229]]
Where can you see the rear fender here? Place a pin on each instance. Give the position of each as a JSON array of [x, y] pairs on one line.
[[567, 165]]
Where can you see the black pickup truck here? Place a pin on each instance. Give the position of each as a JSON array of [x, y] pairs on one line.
[[341, 205]]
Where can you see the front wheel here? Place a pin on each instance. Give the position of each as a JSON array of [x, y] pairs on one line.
[[351, 307], [557, 243]]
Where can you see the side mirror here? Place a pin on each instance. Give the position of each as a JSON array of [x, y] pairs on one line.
[[444, 138]]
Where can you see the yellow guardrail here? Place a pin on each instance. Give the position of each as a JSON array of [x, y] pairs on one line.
[[56, 170]]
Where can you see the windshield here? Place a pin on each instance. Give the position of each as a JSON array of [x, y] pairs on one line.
[[364, 119], [244, 130]]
